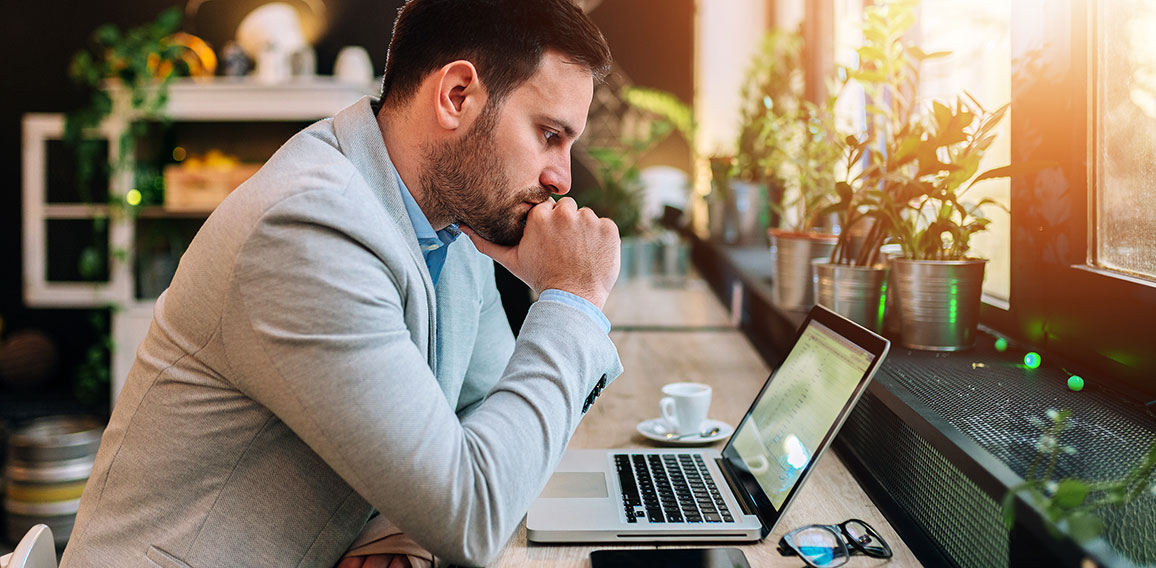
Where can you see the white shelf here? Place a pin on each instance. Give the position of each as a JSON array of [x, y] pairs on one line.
[[239, 99], [224, 100], [74, 211]]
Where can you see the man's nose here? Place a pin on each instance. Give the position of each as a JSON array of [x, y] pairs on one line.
[[556, 176]]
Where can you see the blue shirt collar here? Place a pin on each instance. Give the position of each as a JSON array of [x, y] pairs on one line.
[[427, 239]]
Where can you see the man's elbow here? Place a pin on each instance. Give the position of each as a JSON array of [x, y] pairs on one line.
[[476, 551]]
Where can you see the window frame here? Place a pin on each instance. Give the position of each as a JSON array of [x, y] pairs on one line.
[[1086, 319], [1093, 319]]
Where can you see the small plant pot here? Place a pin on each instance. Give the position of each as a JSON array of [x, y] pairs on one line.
[[674, 261], [793, 285], [722, 225], [626, 267], [645, 258], [748, 201], [939, 302], [857, 292]]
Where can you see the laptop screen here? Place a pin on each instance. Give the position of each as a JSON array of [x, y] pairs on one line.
[[791, 419]]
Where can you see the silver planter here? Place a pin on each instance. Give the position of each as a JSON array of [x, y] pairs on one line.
[[626, 267], [748, 201], [645, 258], [674, 261], [722, 226], [938, 302], [857, 292], [792, 284]]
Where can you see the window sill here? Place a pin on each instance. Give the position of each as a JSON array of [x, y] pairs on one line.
[[940, 437]]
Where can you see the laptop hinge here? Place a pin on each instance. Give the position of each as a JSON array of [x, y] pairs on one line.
[[737, 491]]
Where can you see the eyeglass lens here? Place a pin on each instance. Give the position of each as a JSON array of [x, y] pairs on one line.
[[821, 546], [864, 538]]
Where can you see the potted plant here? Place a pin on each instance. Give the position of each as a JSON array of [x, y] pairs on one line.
[[620, 195], [666, 249], [770, 95], [852, 281], [618, 198], [125, 72], [784, 152], [918, 163], [938, 284]]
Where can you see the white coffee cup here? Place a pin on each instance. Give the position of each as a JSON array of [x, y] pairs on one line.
[[685, 406]]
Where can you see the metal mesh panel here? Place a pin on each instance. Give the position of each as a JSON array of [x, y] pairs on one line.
[[954, 513], [991, 403]]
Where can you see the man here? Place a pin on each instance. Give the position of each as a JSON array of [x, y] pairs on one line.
[[328, 349]]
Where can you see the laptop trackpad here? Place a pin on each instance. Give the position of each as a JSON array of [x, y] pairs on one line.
[[571, 484]]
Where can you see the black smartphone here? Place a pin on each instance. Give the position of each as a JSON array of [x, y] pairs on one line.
[[670, 558]]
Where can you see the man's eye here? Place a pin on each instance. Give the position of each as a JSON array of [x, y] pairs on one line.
[[550, 136]]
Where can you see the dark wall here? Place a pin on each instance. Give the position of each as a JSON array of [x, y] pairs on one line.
[[651, 39]]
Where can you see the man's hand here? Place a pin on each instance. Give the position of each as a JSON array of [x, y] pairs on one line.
[[563, 248]]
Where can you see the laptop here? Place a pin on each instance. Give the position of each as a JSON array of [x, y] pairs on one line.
[[738, 494]]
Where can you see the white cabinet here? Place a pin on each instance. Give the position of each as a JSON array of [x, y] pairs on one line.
[[191, 103]]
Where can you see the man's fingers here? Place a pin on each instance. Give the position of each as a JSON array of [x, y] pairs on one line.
[[351, 562], [567, 203], [381, 560]]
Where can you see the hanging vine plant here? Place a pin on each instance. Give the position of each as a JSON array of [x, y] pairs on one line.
[[141, 63]]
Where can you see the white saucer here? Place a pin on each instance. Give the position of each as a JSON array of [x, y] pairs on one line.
[[656, 429]]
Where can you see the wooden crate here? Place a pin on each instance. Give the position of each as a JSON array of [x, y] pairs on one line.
[[192, 190]]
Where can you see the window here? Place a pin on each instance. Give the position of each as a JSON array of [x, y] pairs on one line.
[[978, 35], [1074, 285], [1125, 130]]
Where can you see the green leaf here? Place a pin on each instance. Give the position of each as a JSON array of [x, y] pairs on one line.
[[871, 53], [1071, 493], [169, 21], [1014, 170], [844, 190], [973, 100], [920, 55], [1009, 510], [106, 34], [1084, 526], [942, 113], [899, 25]]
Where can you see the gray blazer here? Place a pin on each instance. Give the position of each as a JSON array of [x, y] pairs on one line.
[[302, 370]]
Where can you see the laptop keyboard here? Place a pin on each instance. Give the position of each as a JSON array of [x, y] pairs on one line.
[[669, 488]]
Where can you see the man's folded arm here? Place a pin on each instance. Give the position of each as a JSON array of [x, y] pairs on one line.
[[318, 335]]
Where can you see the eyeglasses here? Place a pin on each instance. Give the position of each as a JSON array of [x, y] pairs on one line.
[[826, 546]]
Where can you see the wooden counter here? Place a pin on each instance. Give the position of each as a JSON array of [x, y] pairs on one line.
[[669, 334]]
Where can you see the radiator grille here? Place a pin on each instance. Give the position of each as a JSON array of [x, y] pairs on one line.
[[991, 403], [959, 518]]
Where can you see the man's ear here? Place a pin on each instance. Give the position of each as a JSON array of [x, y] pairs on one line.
[[460, 96]]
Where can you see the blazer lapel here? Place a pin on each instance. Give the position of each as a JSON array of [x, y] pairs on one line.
[[360, 140]]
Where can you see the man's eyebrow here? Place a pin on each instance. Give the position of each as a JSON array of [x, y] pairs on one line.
[[559, 125]]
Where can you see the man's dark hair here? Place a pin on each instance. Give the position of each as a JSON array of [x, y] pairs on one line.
[[504, 39]]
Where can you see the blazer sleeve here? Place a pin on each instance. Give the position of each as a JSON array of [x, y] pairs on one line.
[[317, 333]]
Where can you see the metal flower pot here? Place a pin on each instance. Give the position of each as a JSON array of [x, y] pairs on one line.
[[626, 267], [674, 261], [645, 258], [939, 302], [793, 282], [857, 292], [748, 201], [722, 225]]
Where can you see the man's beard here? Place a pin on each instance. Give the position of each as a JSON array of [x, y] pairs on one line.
[[465, 181]]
